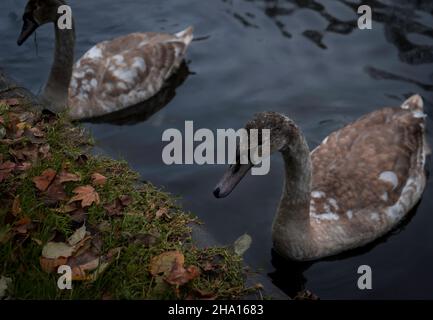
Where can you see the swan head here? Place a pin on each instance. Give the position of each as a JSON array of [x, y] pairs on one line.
[[36, 14], [280, 127]]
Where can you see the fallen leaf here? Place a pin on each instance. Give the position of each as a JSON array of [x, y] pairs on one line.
[[55, 193], [77, 236], [165, 262], [87, 195], [114, 209], [78, 216], [22, 225], [51, 265], [37, 132], [179, 275], [125, 200], [146, 240], [242, 244], [161, 213], [24, 166], [16, 206], [43, 181], [37, 241], [98, 179], [6, 169], [170, 266], [65, 176], [5, 282], [55, 250]]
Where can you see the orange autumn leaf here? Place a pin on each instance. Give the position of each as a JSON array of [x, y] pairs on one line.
[[180, 275], [50, 265], [87, 195], [98, 179], [22, 225], [43, 181], [170, 266]]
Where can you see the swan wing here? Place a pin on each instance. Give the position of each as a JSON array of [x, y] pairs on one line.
[[123, 72], [372, 171]]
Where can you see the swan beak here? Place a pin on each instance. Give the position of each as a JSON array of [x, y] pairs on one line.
[[231, 179], [29, 26]]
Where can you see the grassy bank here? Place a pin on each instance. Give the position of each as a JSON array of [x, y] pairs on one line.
[[121, 239]]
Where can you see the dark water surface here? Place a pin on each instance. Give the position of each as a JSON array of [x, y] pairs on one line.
[[303, 58]]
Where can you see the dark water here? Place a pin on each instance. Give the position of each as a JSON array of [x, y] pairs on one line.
[[303, 58]]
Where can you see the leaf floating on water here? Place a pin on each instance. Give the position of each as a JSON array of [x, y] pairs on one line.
[[43, 181], [242, 244], [87, 195]]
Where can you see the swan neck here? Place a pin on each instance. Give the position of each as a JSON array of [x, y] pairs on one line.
[[56, 90], [292, 222]]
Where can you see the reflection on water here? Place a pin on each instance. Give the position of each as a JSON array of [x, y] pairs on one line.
[[303, 58], [398, 20]]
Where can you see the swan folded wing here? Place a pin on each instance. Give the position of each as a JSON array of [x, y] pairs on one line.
[[371, 169], [120, 73]]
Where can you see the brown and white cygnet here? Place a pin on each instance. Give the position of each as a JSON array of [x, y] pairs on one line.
[[356, 186], [112, 75]]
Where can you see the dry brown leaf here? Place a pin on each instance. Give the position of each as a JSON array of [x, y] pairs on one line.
[[165, 262], [170, 266], [6, 169], [37, 132], [77, 236], [87, 195], [98, 179], [16, 206], [55, 193], [24, 166], [179, 276], [43, 181], [65, 176], [162, 212], [125, 200], [22, 225], [55, 250], [51, 265]]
